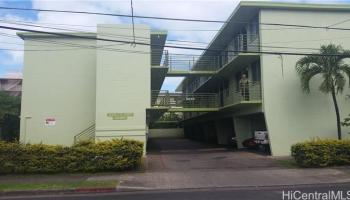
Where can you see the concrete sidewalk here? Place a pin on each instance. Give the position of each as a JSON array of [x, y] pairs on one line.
[[209, 178], [184, 164], [227, 178]]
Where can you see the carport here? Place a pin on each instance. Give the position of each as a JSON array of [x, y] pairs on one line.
[[181, 154]]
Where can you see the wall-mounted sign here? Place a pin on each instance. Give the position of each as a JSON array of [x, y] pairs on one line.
[[120, 116], [190, 99], [50, 121]]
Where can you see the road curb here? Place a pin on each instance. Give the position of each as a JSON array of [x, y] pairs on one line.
[[142, 189], [64, 191]]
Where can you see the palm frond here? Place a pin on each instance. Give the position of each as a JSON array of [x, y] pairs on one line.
[[327, 84], [330, 63], [339, 82], [306, 75], [346, 69], [307, 62], [345, 54]]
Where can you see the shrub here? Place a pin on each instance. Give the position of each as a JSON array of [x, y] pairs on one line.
[[322, 153], [113, 155]]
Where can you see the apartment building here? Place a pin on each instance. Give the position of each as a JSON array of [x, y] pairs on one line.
[[271, 99], [96, 88], [83, 88]]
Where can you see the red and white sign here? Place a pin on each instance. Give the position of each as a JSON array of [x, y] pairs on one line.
[[50, 121]]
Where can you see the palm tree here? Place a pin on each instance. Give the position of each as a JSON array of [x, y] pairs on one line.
[[330, 65]]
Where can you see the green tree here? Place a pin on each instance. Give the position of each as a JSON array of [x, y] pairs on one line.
[[331, 67], [9, 111], [9, 105]]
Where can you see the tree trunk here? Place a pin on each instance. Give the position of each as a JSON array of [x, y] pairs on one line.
[[337, 113]]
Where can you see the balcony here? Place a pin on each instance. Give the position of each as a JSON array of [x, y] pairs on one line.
[[205, 102], [241, 43], [189, 65], [247, 94], [182, 102]]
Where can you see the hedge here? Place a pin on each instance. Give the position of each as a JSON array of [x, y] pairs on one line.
[[322, 153], [113, 155]]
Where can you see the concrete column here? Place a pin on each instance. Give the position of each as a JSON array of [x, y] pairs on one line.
[[224, 131], [210, 134], [243, 129]]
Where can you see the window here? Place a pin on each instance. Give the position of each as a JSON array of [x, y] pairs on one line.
[[254, 28]]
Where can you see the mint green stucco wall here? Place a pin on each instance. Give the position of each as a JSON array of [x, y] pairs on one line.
[[60, 85], [79, 87], [292, 116], [123, 83]]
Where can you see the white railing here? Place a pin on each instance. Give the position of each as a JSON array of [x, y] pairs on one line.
[[248, 92], [87, 134]]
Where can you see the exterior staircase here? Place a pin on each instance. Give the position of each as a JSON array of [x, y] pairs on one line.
[[87, 134]]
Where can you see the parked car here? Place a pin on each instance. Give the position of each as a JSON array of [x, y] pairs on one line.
[[260, 141], [250, 143]]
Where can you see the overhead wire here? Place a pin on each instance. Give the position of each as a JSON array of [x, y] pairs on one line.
[[172, 18], [157, 45]]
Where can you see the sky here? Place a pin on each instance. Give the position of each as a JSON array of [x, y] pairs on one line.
[[11, 61]]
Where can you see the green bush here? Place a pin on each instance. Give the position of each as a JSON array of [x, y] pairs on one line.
[[322, 153], [113, 155]]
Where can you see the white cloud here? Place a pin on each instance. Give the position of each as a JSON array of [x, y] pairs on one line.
[[12, 42], [196, 9], [170, 8]]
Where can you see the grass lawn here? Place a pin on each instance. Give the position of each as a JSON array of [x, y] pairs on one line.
[[287, 162], [57, 185]]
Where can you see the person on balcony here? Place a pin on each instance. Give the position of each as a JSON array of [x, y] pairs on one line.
[[244, 87]]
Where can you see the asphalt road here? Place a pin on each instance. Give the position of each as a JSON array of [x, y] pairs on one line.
[[261, 193]]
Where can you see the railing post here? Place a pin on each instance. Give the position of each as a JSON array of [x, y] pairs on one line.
[[166, 60], [193, 62], [170, 65], [167, 99]]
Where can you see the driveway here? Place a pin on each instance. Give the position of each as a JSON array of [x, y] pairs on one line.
[[179, 154], [184, 164]]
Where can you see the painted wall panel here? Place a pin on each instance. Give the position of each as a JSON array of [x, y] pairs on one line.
[[123, 83], [59, 84], [291, 115]]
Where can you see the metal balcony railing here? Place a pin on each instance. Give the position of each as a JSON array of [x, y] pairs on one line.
[[184, 62], [247, 93], [167, 99], [178, 62]]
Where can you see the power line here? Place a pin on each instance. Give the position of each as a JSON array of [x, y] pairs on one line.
[[161, 46], [79, 46], [259, 46], [73, 30], [173, 19], [103, 26], [112, 14], [276, 47], [145, 39], [132, 19], [140, 38]]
